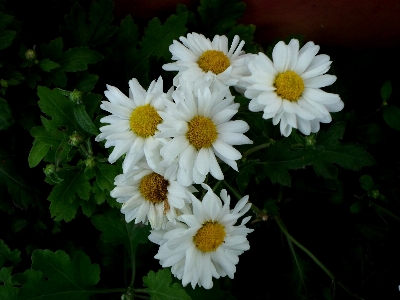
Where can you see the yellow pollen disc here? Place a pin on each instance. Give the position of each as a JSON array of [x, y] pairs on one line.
[[202, 132], [153, 188], [210, 236], [144, 120], [214, 61], [289, 85]]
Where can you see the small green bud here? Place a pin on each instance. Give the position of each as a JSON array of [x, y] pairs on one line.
[[50, 169], [90, 162], [310, 140], [75, 139], [36, 62], [76, 96], [30, 55], [4, 83], [374, 194]]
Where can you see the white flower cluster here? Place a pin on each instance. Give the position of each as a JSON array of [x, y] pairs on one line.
[[174, 140]]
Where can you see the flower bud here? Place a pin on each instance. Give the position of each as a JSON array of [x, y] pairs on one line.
[[76, 96], [75, 139], [50, 169], [3, 83], [30, 54], [90, 162]]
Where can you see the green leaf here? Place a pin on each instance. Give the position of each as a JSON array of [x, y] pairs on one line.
[[6, 118], [391, 115], [160, 288], [356, 207], [157, 39], [68, 195], [6, 255], [47, 65], [5, 275], [5, 19], [53, 49], [220, 16], [56, 276], [52, 137], [84, 120], [11, 177], [105, 175], [38, 151], [77, 59], [92, 103], [54, 104], [245, 174], [6, 38], [95, 31], [367, 183], [386, 90], [116, 231], [327, 151], [372, 232], [62, 151], [87, 82]]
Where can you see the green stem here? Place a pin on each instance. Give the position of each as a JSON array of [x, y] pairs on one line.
[[255, 149], [312, 256], [385, 210], [141, 291], [142, 297], [133, 260], [107, 291], [217, 185], [83, 149], [234, 191]]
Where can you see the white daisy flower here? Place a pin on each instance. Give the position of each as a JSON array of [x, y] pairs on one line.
[[205, 63], [150, 195], [199, 126], [133, 123], [288, 90], [206, 243]]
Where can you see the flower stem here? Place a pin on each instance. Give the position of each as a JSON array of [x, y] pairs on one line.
[[255, 149], [233, 191], [384, 210], [312, 256]]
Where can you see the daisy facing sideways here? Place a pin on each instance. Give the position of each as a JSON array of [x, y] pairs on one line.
[[287, 89], [200, 127], [204, 244], [204, 63], [133, 123], [150, 195]]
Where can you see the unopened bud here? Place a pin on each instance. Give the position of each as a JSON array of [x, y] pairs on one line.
[[76, 96], [3, 83], [90, 162], [374, 194], [75, 139], [50, 169], [30, 54], [310, 141]]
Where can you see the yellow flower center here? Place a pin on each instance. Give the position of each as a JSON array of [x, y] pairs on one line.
[[210, 236], [202, 132], [153, 188], [214, 61], [289, 85], [144, 120]]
